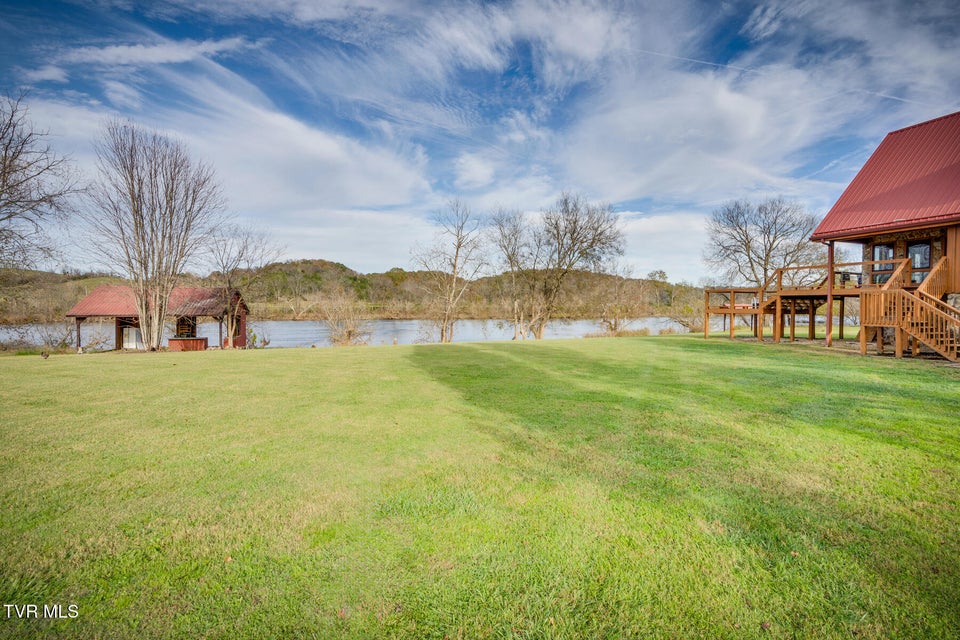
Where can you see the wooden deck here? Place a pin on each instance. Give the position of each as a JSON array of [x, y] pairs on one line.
[[915, 312]]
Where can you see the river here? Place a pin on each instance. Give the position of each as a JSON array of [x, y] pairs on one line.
[[309, 333]]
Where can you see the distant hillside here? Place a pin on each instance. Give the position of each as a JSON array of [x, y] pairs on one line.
[[297, 289], [41, 296]]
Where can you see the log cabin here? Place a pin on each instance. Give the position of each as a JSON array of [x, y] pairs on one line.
[[185, 306], [903, 209]]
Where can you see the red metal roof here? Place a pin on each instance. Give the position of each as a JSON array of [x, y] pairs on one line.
[[912, 180], [112, 301]]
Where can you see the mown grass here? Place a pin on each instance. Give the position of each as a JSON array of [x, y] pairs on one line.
[[664, 487]]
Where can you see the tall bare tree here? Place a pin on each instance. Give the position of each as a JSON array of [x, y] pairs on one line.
[[36, 185], [540, 254], [237, 256], [510, 237], [452, 263], [748, 242], [619, 297], [153, 207]]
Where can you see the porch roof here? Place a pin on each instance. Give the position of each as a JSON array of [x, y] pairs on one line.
[[912, 180], [117, 301]]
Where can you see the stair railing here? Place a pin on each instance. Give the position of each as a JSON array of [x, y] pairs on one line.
[[938, 330]]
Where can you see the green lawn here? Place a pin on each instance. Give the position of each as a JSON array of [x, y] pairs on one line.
[[664, 487]]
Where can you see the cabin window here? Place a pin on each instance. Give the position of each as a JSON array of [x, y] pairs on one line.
[[882, 252], [919, 255]]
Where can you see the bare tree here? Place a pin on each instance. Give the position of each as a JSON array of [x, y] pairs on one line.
[[620, 298], [748, 242], [541, 253], [153, 207], [510, 236], [452, 263], [36, 185], [238, 255], [344, 315], [686, 306]]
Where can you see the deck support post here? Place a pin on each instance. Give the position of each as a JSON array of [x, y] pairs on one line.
[[793, 320], [898, 342], [733, 312], [863, 339], [843, 314], [778, 320], [880, 340], [812, 322], [830, 294]]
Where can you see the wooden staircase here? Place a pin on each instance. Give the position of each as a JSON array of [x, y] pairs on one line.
[[921, 316]]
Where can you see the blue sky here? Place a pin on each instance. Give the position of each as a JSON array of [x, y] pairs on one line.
[[341, 127]]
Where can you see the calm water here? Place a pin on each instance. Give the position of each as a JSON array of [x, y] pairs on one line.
[[307, 333]]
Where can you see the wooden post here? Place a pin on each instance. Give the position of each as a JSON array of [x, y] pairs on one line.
[[830, 293], [898, 342], [843, 315], [79, 346], [778, 320], [863, 339], [812, 327], [706, 314], [793, 319], [733, 313]]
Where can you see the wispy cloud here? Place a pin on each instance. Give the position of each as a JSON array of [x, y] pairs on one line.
[[161, 53], [46, 73], [345, 123]]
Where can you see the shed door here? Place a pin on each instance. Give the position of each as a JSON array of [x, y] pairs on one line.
[[131, 338]]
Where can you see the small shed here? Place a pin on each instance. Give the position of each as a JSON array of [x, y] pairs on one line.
[[185, 306]]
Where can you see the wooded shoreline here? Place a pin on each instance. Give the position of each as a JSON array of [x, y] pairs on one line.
[[298, 290]]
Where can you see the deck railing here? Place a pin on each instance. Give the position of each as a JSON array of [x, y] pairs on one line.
[[918, 312], [881, 308], [814, 278], [936, 285]]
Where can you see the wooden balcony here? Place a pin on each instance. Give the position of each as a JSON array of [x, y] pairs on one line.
[[892, 295], [793, 291]]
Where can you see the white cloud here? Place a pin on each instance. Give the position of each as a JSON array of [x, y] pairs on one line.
[[163, 53], [122, 95], [46, 73], [670, 241], [473, 171], [365, 240]]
